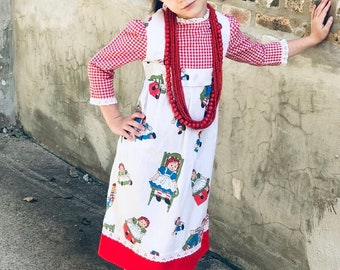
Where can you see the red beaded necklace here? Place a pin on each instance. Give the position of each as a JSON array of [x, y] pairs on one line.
[[173, 71]]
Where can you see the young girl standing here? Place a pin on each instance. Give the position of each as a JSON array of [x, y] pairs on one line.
[[182, 46]]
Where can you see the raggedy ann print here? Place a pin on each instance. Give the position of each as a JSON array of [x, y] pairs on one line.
[[196, 234], [123, 176], [164, 182], [148, 132], [111, 197], [156, 86], [200, 187], [135, 229]]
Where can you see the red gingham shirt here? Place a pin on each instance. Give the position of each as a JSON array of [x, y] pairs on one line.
[[195, 52]]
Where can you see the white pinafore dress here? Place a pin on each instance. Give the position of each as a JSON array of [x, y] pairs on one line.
[[160, 183]]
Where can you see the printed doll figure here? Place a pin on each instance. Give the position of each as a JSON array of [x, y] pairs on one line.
[[205, 96], [135, 229], [156, 86], [147, 132], [198, 143], [154, 253], [123, 176], [184, 76], [179, 226], [154, 90], [165, 180], [179, 126], [200, 187], [111, 198], [199, 183], [196, 235]]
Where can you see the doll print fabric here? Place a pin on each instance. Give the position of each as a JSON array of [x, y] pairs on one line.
[[157, 202]]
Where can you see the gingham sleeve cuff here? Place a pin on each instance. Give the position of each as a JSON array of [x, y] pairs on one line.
[[103, 101], [285, 51]]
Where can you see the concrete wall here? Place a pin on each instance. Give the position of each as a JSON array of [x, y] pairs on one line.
[[54, 41], [275, 194], [7, 104]]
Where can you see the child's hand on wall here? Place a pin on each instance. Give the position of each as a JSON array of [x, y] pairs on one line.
[[319, 30], [319, 26]]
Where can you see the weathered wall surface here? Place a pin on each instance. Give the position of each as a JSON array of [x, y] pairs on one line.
[[277, 167], [7, 104], [54, 41], [275, 194]]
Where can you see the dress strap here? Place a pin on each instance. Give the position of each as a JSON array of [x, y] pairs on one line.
[[155, 30], [225, 31]]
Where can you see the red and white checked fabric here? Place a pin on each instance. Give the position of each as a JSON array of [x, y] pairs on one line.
[[195, 52], [128, 46]]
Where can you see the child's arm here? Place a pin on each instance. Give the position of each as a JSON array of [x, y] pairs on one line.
[[319, 31], [124, 126], [243, 49], [128, 46]]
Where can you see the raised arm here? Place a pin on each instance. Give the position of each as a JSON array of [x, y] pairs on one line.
[[319, 31]]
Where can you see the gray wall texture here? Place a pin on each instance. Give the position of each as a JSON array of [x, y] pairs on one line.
[[274, 202], [7, 93]]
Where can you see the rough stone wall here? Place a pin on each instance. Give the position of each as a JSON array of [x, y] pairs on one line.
[[7, 104], [274, 203]]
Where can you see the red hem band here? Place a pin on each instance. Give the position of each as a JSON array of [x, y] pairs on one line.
[[119, 255]]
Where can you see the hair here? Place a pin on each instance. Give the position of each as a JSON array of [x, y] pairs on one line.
[[156, 5], [145, 219], [172, 159]]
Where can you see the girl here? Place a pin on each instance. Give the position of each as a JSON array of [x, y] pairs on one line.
[[182, 46]]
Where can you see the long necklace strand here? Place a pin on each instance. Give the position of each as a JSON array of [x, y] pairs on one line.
[[173, 71]]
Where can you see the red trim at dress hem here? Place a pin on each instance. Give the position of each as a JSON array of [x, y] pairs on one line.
[[119, 255]]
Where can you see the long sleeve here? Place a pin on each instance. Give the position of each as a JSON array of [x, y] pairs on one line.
[[128, 46], [243, 49]]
